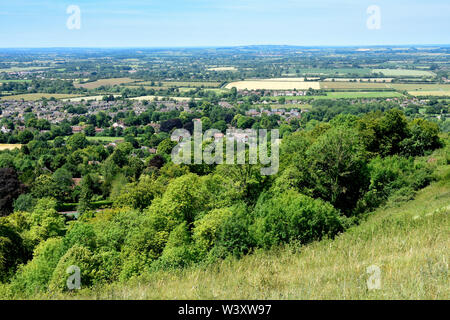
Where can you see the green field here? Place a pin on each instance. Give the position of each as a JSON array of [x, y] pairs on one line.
[[38, 96], [172, 84], [350, 95], [105, 139], [404, 73], [333, 72], [7, 81]]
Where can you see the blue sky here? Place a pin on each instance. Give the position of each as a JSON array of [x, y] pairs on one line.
[[181, 23]]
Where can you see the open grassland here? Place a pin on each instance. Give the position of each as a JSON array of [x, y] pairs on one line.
[[430, 93], [395, 86], [407, 242], [353, 85], [9, 146], [38, 96], [335, 71], [404, 73], [105, 139], [87, 98], [22, 69], [152, 98], [350, 95], [176, 84], [222, 69], [104, 82], [273, 84]]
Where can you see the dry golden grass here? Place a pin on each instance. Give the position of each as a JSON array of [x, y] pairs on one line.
[[9, 146], [430, 93]]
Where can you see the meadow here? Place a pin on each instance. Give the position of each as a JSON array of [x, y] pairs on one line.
[[104, 82], [174, 84], [430, 93], [272, 84], [403, 73], [38, 96]]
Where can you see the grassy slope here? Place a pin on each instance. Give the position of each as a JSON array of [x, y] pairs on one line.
[[409, 243]]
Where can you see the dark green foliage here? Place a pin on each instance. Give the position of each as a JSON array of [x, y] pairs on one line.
[[12, 251], [10, 189], [294, 217]]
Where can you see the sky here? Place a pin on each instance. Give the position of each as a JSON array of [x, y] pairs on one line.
[[213, 23]]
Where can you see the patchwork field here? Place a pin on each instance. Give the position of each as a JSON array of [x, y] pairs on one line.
[[404, 73], [395, 86], [9, 146], [273, 84], [151, 98], [351, 95], [420, 87], [171, 84], [86, 98], [222, 69], [37, 96], [430, 93], [105, 139], [353, 85], [337, 71], [104, 82]]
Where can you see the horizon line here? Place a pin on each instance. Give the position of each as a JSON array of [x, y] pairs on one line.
[[237, 46]]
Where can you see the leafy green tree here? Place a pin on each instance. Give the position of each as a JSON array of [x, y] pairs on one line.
[[294, 217], [77, 141], [336, 168]]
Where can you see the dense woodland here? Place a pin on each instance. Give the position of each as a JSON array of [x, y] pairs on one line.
[[162, 215], [109, 199]]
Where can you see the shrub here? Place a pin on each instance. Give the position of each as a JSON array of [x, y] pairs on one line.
[[295, 217], [208, 229], [36, 274], [235, 237], [78, 256], [82, 234]]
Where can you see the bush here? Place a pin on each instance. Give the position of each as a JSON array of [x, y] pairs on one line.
[[295, 217], [80, 257], [82, 234], [208, 229], [235, 237], [36, 274], [12, 251], [25, 202]]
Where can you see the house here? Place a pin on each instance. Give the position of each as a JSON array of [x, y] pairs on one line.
[[4, 130]]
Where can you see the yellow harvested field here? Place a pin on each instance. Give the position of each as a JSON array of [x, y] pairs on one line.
[[104, 82], [222, 69], [274, 84], [430, 93], [9, 146]]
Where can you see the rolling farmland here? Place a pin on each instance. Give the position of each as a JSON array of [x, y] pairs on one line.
[[273, 84]]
